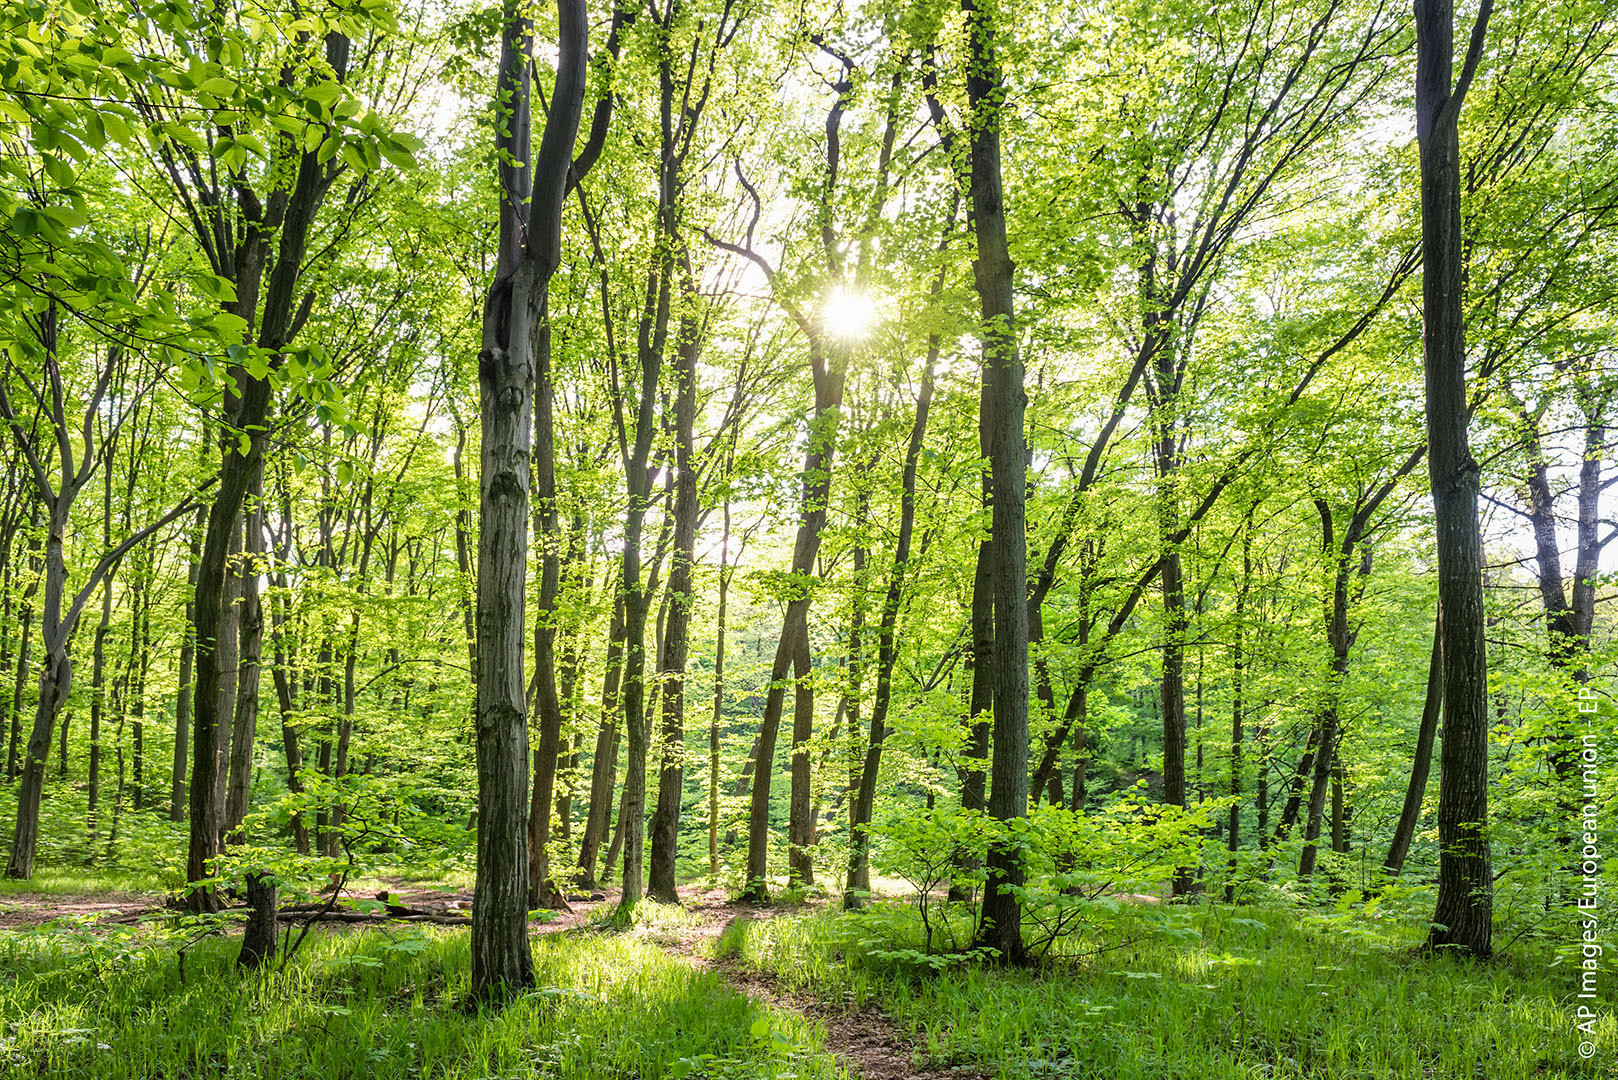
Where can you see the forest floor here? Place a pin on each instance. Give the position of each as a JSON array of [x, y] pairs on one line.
[[123, 988], [861, 1037]]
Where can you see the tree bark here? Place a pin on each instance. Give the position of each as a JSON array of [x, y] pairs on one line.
[[182, 700], [681, 598], [1004, 402], [1464, 915], [604, 765]]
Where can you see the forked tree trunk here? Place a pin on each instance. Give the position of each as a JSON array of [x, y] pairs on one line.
[[529, 249]]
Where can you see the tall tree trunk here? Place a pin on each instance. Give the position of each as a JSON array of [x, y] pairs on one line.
[[1238, 669], [140, 662], [98, 708], [55, 680], [282, 675], [230, 667], [1464, 915], [681, 599], [800, 816], [1003, 405], [858, 881], [25, 662], [542, 891], [250, 626], [794, 640], [530, 248]]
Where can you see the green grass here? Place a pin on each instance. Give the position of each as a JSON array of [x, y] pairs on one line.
[[380, 1004], [1200, 994]]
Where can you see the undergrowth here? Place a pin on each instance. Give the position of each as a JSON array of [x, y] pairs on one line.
[[382, 1004], [1208, 993]]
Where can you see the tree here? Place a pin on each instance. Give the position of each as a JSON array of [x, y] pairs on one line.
[[1464, 916], [1004, 401], [532, 188]]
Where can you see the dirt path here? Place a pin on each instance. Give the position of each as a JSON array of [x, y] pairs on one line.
[[864, 1040], [24, 909]]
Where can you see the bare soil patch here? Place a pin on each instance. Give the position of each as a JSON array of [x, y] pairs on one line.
[[26, 909]]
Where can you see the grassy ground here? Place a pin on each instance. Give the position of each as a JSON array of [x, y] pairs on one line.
[[1201, 994], [380, 1004], [1145, 992]]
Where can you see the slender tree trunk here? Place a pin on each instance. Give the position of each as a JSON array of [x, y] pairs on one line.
[[718, 695], [1416, 791], [25, 665], [681, 599], [542, 891], [858, 882], [250, 626], [1238, 670], [182, 701], [140, 661], [817, 477], [98, 707], [800, 818], [55, 680], [604, 765]]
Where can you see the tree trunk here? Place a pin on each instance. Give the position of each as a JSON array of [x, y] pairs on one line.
[[1416, 791], [55, 680], [681, 598], [258, 937], [817, 477], [718, 696], [1238, 669], [604, 765], [1003, 405], [1464, 915], [542, 892], [858, 882], [530, 247], [250, 625], [182, 700], [800, 817]]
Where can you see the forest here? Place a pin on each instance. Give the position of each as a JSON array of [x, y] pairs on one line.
[[819, 540]]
